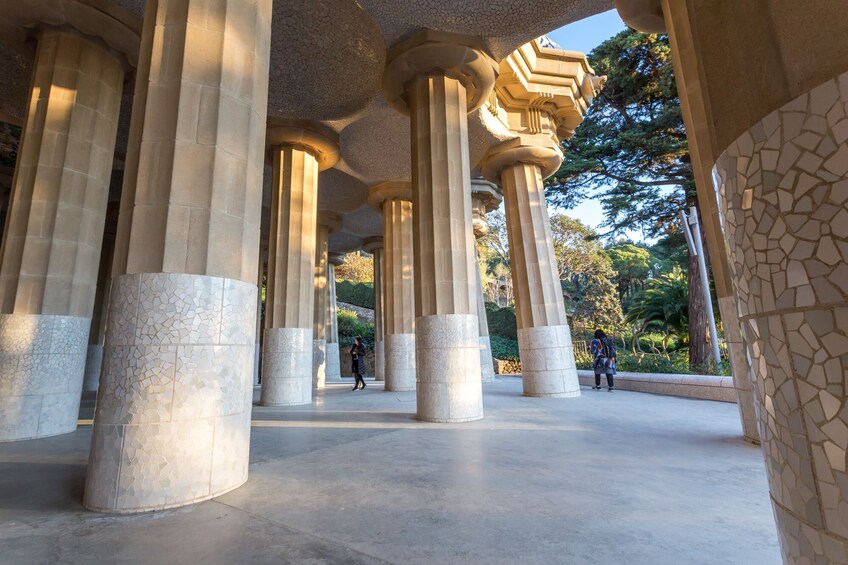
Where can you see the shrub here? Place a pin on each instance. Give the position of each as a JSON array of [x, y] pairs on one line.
[[350, 326], [502, 323], [504, 348], [358, 294]]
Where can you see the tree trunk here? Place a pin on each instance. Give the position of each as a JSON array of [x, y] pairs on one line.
[[699, 340]]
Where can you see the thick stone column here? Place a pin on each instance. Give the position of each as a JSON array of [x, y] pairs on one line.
[[53, 234], [374, 246], [774, 125], [485, 197], [437, 79], [97, 335], [334, 371], [544, 338], [172, 425], [300, 152], [395, 201], [327, 223]]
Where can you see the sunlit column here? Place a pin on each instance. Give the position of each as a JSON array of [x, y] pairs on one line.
[[374, 246], [485, 197]]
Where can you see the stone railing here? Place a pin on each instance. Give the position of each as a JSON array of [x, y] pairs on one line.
[[705, 387]]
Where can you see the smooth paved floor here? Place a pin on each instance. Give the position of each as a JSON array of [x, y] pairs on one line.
[[614, 478]]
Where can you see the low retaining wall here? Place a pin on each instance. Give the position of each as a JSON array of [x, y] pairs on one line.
[[705, 387]]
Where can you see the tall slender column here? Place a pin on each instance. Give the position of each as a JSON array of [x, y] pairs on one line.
[[327, 222], [374, 246], [53, 234], [97, 335], [300, 152], [485, 197], [437, 79], [172, 425], [774, 126], [333, 358], [260, 278], [395, 201]]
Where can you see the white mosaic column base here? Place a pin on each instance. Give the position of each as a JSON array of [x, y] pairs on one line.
[[487, 368], [447, 358], [319, 363], [334, 368], [287, 367], [547, 362], [740, 365], [399, 352], [379, 361], [42, 362], [93, 362], [257, 359], [172, 423], [783, 192]]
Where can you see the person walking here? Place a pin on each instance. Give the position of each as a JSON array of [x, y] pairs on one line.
[[603, 355], [357, 355]]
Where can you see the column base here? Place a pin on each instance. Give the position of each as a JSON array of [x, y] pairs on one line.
[[487, 367], [172, 424], [42, 363], [93, 362], [379, 361], [319, 363], [287, 367], [399, 351], [547, 362], [447, 360], [334, 368], [257, 359]]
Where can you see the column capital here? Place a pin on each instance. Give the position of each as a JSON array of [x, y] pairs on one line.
[[337, 259], [486, 196], [310, 136], [642, 15], [390, 190], [460, 57], [523, 149], [116, 29], [330, 220], [371, 244]]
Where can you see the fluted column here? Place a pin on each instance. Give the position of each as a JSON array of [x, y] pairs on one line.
[[300, 152], [485, 197], [97, 335], [53, 234], [395, 201], [327, 222], [437, 79], [172, 425], [374, 246], [333, 357]]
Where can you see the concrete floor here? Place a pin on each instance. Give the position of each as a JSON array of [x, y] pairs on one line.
[[618, 478]]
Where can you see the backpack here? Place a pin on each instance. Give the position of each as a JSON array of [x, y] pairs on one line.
[[609, 347]]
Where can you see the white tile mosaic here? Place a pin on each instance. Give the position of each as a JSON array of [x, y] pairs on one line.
[[399, 351], [287, 367], [547, 361]]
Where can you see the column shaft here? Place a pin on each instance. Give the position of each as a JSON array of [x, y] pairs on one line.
[[544, 338], [398, 296], [53, 234], [287, 350], [379, 346], [487, 368], [446, 328], [332, 351], [172, 425], [94, 358], [320, 309]]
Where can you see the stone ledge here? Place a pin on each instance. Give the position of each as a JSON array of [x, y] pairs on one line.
[[704, 387]]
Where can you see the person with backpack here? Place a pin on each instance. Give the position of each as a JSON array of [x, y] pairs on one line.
[[357, 357], [603, 354]]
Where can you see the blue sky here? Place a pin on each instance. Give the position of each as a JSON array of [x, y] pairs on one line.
[[584, 36]]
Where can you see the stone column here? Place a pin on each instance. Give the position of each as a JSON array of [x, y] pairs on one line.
[[485, 197], [395, 201], [544, 338], [300, 151], [334, 371], [327, 222], [437, 79], [774, 126], [94, 357], [260, 278], [172, 425], [374, 246], [53, 234]]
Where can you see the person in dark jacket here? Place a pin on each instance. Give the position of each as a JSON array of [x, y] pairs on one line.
[[357, 356], [603, 354]]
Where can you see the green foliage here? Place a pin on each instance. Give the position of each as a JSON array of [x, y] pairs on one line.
[[504, 348], [502, 323], [351, 326], [632, 266], [630, 152], [357, 293], [662, 306], [10, 138], [358, 267]]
